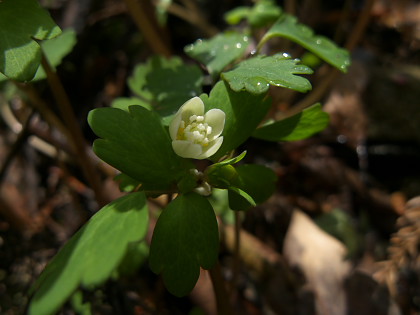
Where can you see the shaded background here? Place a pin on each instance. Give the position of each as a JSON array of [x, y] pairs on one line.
[[338, 236]]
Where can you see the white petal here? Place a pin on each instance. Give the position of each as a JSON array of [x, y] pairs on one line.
[[216, 119], [174, 125], [211, 149], [187, 149], [194, 106]]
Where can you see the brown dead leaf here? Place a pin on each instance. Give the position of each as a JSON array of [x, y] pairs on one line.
[[321, 258]]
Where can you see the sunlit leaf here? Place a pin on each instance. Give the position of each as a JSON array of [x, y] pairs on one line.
[[287, 26], [166, 84], [22, 23], [300, 126], [244, 113], [137, 144], [55, 50], [125, 102], [92, 254], [185, 238], [255, 75], [218, 52]]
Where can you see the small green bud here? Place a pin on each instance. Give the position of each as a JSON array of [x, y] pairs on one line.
[[221, 176]]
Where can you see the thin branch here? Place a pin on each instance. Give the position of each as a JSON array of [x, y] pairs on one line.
[[76, 136], [331, 77], [193, 17], [222, 298], [148, 26], [236, 253], [21, 139]]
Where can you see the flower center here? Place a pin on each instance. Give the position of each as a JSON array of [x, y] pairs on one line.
[[195, 130]]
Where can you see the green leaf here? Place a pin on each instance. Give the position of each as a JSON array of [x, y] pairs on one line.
[[220, 176], [244, 113], [55, 50], [256, 74], [287, 26], [166, 84], [256, 180], [78, 304], [185, 238], [231, 161], [218, 52], [161, 7], [220, 203], [126, 183], [137, 144], [240, 199], [236, 15], [22, 22], [124, 102], [92, 254], [300, 126], [262, 13], [135, 256], [340, 224]]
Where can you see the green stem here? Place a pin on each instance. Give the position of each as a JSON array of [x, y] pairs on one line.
[[236, 252], [222, 297]]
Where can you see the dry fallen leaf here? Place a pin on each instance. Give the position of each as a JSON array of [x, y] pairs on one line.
[[321, 258]]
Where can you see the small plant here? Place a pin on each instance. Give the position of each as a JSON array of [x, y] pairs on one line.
[[155, 138]]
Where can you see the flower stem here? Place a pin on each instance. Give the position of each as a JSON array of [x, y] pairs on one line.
[[222, 298]]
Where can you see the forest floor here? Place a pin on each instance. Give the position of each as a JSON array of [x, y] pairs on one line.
[[340, 235]]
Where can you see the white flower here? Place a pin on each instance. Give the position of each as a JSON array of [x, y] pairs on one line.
[[194, 134]]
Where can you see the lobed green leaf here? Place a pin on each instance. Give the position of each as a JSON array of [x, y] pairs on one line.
[[185, 238], [287, 26], [125, 102], [137, 144], [256, 74], [218, 52], [300, 126], [166, 84], [244, 112], [92, 254], [22, 22]]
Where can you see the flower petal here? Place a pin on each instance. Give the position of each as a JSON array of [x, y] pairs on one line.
[[194, 106], [187, 149], [174, 125], [211, 149], [216, 119]]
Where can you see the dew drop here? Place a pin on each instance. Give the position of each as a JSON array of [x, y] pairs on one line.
[[342, 139], [238, 45]]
